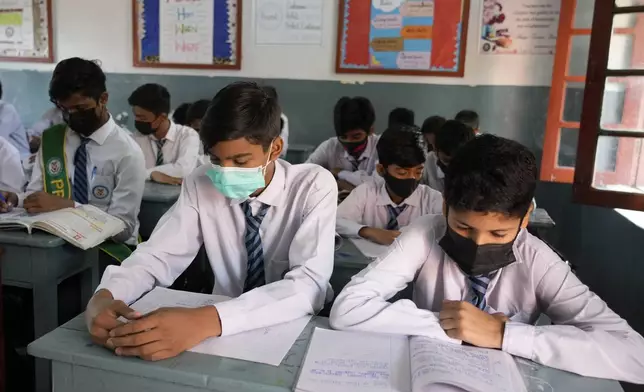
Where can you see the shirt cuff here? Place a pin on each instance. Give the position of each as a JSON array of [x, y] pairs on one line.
[[348, 228], [518, 339], [231, 321], [347, 176], [117, 288]]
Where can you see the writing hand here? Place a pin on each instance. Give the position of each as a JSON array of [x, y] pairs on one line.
[[102, 316], [379, 236], [8, 200], [44, 202], [163, 178], [463, 321]]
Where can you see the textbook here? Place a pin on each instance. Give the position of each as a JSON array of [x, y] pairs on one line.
[[355, 362], [84, 227]]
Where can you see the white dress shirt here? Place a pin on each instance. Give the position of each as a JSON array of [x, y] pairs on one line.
[[180, 151], [53, 116], [298, 234], [284, 135], [11, 128], [589, 338], [331, 155], [433, 176], [116, 173], [366, 206], [12, 177]]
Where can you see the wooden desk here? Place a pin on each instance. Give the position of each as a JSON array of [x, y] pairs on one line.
[[157, 200], [40, 262], [79, 366]]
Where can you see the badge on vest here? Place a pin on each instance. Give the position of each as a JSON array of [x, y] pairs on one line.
[[100, 192], [54, 166]]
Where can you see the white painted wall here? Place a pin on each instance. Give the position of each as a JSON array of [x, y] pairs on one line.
[[102, 29]]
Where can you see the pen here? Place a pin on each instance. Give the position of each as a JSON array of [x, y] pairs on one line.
[[93, 173]]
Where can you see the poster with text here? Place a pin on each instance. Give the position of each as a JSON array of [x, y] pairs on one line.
[[519, 26], [16, 25], [279, 22], [186, 31]]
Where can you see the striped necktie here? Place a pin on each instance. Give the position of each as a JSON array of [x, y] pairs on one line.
[[394, 213], [160, 144], [479, 286], [255, 269], [80, 192]]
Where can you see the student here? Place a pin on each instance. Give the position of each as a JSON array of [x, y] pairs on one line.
[[351, 156], [430, 127], [179, 116], [195, 114], [401, 116], [246, 202], [170, 150], [89, 159], [12, 178], [451, 136], [377, 209], [489, 278], [11, 127], [469, 118]]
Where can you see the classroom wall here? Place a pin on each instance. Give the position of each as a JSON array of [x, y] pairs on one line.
[[510, 92]]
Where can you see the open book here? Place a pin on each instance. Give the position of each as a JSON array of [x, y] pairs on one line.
[[347, 362], [84, 227]]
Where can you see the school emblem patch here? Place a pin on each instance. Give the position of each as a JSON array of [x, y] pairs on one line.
[[100, 192], [54, 166]]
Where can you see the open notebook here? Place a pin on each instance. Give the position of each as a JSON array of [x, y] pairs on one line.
[[352, 362], [84, 227]]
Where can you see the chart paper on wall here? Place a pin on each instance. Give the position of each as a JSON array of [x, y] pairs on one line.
[[186, 31], [16, 25], [295, 22]]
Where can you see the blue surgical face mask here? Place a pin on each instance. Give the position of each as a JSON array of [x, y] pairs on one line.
[[238, 182]]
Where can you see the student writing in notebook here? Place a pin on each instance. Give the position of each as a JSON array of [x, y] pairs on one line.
[[170, 150], [351, 156], [430, 128], [268, 228], [377, 209], [479, 273]]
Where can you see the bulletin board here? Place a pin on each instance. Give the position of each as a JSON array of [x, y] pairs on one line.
[[201, 34], [402, 37], [26, 32]]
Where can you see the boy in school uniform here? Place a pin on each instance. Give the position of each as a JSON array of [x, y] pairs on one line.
[[480, 277], [430, 127], [11, 127], [180, 114], [195, 114], [351, 156], [170, 150], [469, 118], [450, 137], [89, 159], [12, 178], [377, 209], [401, 116], [268, 228]]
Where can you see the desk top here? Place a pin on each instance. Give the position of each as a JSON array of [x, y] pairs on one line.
[[160, 193], [71, 344], [540, 219], [38, 239]]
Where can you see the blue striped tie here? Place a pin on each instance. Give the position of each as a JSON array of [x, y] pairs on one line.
[[255, 269], [81, 184], [160, 144], [479, 286], [394, 213]]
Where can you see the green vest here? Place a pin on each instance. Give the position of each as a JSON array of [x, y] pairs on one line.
[[56, 181]]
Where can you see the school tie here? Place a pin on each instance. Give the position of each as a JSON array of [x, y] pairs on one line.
[[479, 288], [80, 193], [394, 213], [255, 269], [160, 144]]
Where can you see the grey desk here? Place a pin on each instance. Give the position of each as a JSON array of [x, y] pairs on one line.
[[157, 200], [540, 220], [40, 262], [298, 153], [79, 366]]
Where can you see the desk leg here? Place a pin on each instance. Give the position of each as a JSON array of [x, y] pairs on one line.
[[45, 297]]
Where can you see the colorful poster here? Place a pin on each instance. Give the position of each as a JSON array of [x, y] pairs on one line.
[[16, 25], [186, 31], [519, 27], [279, 22]]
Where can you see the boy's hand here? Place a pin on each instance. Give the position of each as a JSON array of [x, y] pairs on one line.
[[165, 333], [463, 321], [163, 178], [11, 201], [102, 316], [379, 236], [34, 143], [44, 202]]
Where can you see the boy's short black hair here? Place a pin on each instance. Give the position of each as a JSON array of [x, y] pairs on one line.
[[76, 75], [151, 97], [401, 116], [180, 114], [451, 136], [469, 118], [353, 113], [401, 145], [432, 125], [492, 174], [197, 110], [242, 110]]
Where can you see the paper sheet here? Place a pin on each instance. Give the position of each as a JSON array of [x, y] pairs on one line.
[[279, 22], [354, 362], [186, 31], [368, 248], [265, 345], [16, 25]]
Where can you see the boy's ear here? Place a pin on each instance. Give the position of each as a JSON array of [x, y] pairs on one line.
[[278, 146], [526, 218], [380, 169], [103, 98]]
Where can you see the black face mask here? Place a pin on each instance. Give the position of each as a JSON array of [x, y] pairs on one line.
[[473, 259], [84, 122], [401, 187], [144, 128], [355, 149]]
